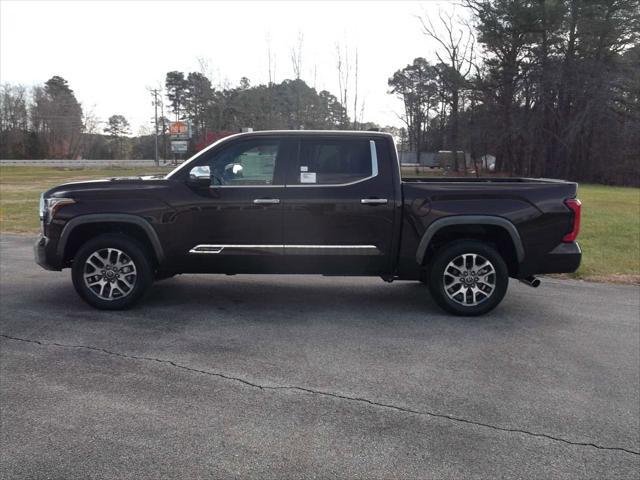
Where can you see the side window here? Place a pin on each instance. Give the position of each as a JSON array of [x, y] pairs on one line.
[[246, 163], [333, 161]]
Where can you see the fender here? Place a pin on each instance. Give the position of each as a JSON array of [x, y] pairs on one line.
[[114, 218], [469, 220]]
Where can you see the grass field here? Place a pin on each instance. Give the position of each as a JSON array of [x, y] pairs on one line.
[[610, 234], [20, 189]]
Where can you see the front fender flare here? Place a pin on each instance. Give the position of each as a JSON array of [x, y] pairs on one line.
[[112, 218], [440, 223]]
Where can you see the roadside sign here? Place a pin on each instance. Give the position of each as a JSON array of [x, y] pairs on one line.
[[179, 146], [179, 130]]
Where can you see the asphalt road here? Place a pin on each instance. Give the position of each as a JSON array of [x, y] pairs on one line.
[[312, 377]]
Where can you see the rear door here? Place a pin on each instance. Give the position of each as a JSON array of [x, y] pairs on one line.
[[338, 206]]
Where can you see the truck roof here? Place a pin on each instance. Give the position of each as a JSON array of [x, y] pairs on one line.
[[317, 132]]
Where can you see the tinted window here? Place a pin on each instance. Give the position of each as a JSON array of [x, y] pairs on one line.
[[333, 161], [246, 163]]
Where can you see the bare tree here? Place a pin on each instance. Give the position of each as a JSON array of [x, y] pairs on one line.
[[271, 61], [348, 80], [456, 60], [355, 95], [296, 56], [342, 57]]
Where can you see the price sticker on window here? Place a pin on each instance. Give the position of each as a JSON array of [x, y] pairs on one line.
[[307, 177]]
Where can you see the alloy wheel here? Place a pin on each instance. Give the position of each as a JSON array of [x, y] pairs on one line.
[[110, 274], [469, 279]]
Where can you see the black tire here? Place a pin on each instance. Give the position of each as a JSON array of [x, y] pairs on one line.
[[132, 252], [453, 252]]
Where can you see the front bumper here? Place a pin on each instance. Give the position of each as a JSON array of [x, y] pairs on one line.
[[42, 256]]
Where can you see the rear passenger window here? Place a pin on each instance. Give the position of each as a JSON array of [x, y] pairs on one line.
[[333, 161]]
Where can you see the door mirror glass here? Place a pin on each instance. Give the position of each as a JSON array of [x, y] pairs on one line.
[[200, 174]]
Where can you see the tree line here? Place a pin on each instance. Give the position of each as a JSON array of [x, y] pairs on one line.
[[550, 87], [49, 122]]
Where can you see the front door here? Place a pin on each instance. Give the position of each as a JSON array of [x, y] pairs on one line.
[[338, 207], [235, 220]]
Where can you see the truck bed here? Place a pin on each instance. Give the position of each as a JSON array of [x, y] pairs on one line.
[[471, 179]]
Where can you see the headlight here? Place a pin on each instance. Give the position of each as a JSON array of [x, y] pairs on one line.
[[50, 206], [41, 207]]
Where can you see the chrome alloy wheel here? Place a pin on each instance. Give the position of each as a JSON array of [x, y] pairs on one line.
[[469, 279], [110, 274]]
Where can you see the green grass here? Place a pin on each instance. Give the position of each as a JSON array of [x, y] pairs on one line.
[[610, 234], [20, 189], [610, 231]]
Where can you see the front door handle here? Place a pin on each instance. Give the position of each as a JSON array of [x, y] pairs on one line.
[[374, 201], [271, 201]]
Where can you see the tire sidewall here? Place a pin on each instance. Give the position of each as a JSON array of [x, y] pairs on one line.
[[136, 253], [451, 251]]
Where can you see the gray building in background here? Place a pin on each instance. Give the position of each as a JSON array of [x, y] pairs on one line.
[[427, 159], [444, 159]]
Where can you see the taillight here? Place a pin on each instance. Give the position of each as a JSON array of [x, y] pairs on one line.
[[575, 206]]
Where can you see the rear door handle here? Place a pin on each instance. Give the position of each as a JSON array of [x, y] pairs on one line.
[[266, 200], [374, 201]]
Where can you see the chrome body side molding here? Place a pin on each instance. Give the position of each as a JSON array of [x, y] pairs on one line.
[[287, 249]]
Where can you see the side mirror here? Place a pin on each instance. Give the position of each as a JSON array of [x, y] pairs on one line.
[[200, 175]]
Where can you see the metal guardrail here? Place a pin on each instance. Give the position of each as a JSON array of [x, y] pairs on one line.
[[85, 163]]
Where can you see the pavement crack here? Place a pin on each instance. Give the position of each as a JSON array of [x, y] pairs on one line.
[[312, 391]]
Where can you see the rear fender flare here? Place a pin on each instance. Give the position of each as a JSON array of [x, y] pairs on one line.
[[441, 223]]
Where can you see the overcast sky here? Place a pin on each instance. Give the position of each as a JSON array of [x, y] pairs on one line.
[[111, 51]]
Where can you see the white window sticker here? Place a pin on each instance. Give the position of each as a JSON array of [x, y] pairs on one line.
[[308, 177], [304, 168]]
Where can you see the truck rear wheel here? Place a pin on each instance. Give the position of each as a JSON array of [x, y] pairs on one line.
[[111, 272], [468, 277]]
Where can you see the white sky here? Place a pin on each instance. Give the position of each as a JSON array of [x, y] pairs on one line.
[[109, 52]]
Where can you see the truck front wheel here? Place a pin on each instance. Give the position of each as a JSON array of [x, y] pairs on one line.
[[111, 271], [468, 277]]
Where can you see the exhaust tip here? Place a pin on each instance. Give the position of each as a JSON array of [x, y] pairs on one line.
[[531, 281]]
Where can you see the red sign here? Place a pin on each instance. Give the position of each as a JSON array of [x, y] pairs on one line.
[[179, 129]]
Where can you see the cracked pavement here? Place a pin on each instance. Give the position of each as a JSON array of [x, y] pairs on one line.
[[311, 377]]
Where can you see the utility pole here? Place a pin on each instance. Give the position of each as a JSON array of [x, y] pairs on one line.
[[155, 104], [164, 135]]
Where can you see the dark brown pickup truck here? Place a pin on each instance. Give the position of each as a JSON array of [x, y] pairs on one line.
[[330, 203]]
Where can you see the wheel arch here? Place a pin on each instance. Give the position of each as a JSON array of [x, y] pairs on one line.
[[462, 226], [83, 227]]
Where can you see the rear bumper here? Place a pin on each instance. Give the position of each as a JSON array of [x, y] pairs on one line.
[[565, 258], [42, 253]]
